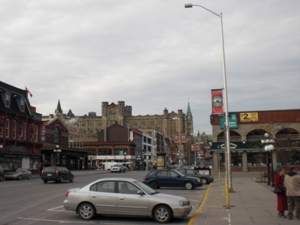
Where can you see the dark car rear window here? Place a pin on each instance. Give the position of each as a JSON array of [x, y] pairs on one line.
[[49, 170]]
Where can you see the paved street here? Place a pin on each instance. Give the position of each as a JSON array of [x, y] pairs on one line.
[[252, 203], [33, 202]]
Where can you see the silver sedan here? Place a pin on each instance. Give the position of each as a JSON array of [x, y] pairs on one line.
[[125, 196], [19, 174]]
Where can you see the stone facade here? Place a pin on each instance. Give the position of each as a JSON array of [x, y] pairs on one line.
[[247, 152]]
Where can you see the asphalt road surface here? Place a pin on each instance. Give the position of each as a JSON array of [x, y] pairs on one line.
[[27, 202]]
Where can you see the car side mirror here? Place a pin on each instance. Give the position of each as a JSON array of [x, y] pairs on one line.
[[140, 192]]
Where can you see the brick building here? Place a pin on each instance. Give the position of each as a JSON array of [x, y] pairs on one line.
[[20, 130]]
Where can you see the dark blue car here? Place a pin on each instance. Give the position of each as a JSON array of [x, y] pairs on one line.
[[170, 178]]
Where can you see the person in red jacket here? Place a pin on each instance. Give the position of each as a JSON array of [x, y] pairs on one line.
[[281, 198]]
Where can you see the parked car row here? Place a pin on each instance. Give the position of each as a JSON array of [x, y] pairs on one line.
[[18, 174], [129, 194]]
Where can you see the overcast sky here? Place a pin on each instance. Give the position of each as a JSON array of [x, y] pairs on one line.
[[152, 54]]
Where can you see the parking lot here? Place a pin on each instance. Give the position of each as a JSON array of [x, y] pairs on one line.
[[33, 202]]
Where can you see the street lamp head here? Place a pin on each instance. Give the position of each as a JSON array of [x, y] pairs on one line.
[[188, 5], [267, 135]]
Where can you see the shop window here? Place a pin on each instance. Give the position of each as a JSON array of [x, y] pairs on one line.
[[256, 159], [236, 159]]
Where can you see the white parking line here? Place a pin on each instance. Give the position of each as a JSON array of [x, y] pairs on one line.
[[55, 209], [56, 221]]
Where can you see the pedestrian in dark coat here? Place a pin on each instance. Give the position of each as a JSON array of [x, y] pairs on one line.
[[281, 198]]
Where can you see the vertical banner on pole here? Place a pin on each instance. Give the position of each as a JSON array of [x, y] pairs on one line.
[[217, 101]]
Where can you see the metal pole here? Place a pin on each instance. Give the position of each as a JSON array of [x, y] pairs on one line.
[[228, 181], [226, 110]]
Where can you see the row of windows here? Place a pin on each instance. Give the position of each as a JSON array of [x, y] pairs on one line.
[[15, 130], [134, 123]]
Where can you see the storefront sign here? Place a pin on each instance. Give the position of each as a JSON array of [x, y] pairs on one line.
[[248, 116], [233, 122]]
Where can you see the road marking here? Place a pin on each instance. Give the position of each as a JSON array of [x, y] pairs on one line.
[[71, 222], [194, 217], [55, 209], [57, 221], [194, 200]]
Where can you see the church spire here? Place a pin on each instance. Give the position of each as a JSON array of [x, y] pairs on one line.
[[58, 109], [189, 111]]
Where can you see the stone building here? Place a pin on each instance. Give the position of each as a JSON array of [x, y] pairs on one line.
[[248, 129], [168, 124]]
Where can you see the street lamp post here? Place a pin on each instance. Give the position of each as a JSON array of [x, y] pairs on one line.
[[269, 147], [228, 180], [124, 157]]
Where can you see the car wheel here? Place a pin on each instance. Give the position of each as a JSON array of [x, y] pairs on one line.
[[188, 185], [86, 211], [1, 178], [29, 177], [162, 214], [20, 177], [45, 181], [204, 181], [71, 180], [153, 184]]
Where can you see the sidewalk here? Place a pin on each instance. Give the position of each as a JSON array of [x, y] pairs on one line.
[[251, 203]]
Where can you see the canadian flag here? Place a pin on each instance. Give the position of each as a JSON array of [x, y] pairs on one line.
[[28, 91]]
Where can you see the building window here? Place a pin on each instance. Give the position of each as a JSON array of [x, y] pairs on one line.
[[57, 135], [91, 131], [7, 128], [99, 124], [91, 124], [112, 116], [24, 131], [15, 129], [36, 133], [22, 105], [7, 101], [83, 124]]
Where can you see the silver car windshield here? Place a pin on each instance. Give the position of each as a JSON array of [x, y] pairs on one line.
[[144, 187]]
